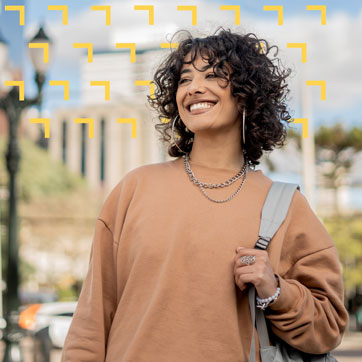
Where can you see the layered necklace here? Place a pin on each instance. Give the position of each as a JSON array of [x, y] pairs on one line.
[[202, 185]]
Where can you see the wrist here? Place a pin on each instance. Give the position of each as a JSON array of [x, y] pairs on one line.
[[263, 303]]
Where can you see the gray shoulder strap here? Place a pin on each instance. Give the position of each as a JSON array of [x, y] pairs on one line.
[[274, 211]]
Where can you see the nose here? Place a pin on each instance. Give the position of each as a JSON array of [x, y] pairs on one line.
[[196, 85]]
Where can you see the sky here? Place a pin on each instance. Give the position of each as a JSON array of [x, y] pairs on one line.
[[333, 51]]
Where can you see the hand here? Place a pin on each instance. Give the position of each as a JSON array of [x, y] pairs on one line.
[[260, 273]]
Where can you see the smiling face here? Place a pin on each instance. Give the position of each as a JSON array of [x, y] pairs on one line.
[[215, 106]]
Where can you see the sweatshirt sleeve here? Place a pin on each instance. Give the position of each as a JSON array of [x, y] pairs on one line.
[[309, 313], [87, 337], [88, 332]]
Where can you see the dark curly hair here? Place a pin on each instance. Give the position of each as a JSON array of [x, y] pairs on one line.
[[257, 81]]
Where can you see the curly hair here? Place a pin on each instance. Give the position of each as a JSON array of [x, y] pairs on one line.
[[257, 81]]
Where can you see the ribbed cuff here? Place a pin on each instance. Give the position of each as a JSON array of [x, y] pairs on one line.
[[287, 298]]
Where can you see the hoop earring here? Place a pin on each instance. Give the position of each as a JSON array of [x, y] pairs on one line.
[[244, 126], [173, 138]]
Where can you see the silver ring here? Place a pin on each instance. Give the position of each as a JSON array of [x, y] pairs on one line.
[[248, 259]]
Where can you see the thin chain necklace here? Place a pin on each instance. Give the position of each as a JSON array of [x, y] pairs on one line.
[[203, 185]]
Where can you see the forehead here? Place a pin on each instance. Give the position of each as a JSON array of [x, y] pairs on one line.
[[201, 63]]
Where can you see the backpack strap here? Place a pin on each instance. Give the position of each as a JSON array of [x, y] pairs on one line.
[[273, 214], [274, 211]]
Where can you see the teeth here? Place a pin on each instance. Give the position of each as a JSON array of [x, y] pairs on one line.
[[201, 105]]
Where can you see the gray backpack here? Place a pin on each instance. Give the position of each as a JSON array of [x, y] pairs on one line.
[[273, 214]]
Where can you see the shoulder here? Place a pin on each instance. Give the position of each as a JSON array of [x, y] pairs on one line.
[[133, 183]]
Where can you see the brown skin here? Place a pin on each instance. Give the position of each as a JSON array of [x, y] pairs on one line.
[[260, 273]]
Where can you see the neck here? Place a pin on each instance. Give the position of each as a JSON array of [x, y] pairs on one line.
[[226, 158]]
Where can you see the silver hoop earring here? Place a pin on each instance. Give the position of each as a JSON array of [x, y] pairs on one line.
[[173, 138], [244, 126]]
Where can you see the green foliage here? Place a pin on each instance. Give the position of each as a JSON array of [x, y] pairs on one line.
[[346, 231], [39, 175]]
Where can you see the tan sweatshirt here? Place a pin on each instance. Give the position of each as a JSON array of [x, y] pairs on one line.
[[160, 285]]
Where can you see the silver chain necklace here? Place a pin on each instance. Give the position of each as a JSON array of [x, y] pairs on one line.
[[203, 185]]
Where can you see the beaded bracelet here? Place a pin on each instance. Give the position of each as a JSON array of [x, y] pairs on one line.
[[264, 303]]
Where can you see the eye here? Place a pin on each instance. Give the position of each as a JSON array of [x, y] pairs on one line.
[[212, 74]]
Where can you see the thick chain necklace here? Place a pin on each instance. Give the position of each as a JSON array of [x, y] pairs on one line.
[[203, 185]]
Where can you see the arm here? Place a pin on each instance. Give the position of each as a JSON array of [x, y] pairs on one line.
[[88, 333], [309, 313]]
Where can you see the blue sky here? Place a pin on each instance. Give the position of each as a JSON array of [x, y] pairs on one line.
[[37, 12]]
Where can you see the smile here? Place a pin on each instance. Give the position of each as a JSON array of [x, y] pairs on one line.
[[201, 108]]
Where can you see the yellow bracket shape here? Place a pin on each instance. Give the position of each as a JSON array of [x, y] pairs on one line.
[[147, 82], [63, 9], [46, 122], [322, 84], [322, 9], [278, 8], [44, 46], [104, 83], [17, 83], [131, 46], [169, 45], [261, 47], [21, 9], [133, 121], [64, 83], [302, 46], [90, 121], [88, 46], [151, 12], [192, 8], [106, 8], [304, 121], [235, 8]]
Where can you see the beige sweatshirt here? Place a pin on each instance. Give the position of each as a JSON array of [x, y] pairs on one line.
[[160, 285]]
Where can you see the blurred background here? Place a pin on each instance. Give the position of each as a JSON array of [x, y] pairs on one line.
[[52, 189]]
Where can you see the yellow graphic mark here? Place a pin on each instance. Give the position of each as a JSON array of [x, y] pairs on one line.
[[192, 8], [169, 45], [106, 8], [45, 47], [17, 83], [132, 46], [261, 47], [65, 84], [90, 121], [63, 9], [304, 121], [151, 12], [46, 122], [20, 8], [278, 8], [104, 83], [88, 46], [302, 46], [322, 84], [165, 120], [133, 121], [147, 82], [322, 9], [236, 8]]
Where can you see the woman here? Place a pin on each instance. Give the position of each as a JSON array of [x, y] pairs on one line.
[[173, 250]]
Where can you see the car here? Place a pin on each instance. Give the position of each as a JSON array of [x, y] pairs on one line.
[[48, 324]]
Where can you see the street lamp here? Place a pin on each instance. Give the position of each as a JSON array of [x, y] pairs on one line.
[[13, 108]]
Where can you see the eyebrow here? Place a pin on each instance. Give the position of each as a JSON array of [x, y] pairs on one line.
[[187, 70]]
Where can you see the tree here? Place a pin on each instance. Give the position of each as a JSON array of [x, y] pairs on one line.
[[335, 148]]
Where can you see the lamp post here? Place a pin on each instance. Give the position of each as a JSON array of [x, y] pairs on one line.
[[13, 109]]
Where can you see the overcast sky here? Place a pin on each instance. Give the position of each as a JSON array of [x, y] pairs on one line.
[[333, 54]]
